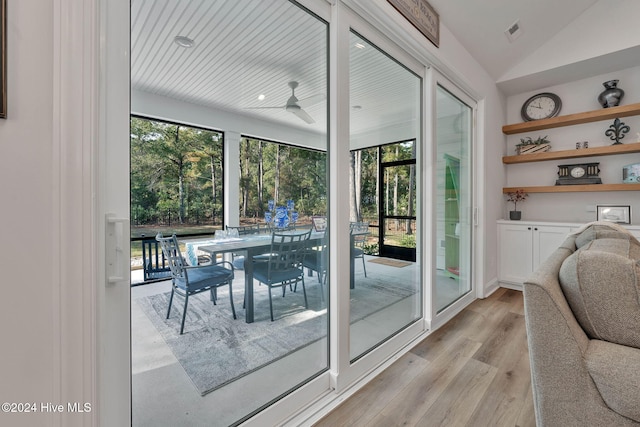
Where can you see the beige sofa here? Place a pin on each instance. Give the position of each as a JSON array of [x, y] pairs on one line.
[[582, 311]]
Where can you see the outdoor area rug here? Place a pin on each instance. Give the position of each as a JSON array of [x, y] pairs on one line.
[[390, 262], [215, 349]]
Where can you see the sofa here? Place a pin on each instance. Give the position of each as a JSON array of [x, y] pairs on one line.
[[582, 314]]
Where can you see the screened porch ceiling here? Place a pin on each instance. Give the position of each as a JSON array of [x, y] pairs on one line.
[[248, 48]]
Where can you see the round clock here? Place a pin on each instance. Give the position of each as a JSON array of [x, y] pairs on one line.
[[541, 106], [577, 172]]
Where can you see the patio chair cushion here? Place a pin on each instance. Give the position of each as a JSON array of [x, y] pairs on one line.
[[202, 277], [260, 272]]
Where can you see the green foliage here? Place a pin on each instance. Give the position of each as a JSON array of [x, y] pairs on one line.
[[176, 173], [371, 249], [408, 241], [293, 173]]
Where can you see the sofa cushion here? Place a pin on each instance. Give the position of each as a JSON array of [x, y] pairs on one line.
[[600, 283], [614, 370], [600, 230]]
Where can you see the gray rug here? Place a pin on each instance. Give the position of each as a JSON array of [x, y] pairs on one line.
[[216, 349]]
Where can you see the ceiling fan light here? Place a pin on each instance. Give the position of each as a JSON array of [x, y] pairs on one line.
[[184, 41], [261, 97]]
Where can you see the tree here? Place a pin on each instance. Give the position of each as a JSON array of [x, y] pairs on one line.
[[355, 171]]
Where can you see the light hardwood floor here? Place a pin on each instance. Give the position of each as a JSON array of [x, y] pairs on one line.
[[474, 371]]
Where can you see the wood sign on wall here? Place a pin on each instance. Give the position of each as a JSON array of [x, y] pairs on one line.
[[422, 16]]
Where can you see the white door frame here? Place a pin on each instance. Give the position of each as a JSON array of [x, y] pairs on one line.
[[90, 117]]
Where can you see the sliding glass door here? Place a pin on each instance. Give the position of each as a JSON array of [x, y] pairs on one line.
[[234, 68], [385, 287], [453, 198]]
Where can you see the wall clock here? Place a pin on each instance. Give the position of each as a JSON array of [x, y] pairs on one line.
[[581, 173], [541, 106]]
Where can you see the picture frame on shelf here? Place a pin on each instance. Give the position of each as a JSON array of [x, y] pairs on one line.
[[620, 214]]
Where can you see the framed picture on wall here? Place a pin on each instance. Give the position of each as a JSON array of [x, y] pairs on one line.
[[3, 59], [617, 214]]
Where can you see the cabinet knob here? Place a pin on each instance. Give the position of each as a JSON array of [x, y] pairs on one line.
[[528, 228], [536, 229]]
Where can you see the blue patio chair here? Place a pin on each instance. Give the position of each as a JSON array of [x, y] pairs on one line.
[[284, 266], [187, 281], [315, 259], [359, 233]]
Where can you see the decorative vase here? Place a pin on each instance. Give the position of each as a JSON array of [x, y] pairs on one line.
[[612, 94], [515, 215]]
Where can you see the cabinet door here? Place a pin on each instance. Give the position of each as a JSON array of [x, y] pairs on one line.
[[546, 239], [515, 253]]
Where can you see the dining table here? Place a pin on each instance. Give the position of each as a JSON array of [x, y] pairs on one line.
[[252, 245]]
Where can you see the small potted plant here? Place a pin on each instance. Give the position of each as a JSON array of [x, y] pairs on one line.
[[516, 196]]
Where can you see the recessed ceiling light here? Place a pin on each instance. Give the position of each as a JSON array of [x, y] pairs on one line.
[[261, 97], [359, 45], [184, 41]]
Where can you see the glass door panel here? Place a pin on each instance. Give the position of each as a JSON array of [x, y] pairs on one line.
[[453, 198], [385, 108], [249, 59]]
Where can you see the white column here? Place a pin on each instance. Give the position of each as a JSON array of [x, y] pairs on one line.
[[232, 178]]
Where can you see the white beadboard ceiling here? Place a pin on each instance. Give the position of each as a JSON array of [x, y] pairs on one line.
[[245, 48]]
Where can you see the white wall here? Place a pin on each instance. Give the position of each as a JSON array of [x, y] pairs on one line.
[[27, 358], [578, 96], [606, 27]]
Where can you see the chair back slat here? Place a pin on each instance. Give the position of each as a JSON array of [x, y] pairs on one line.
[[154, 263], [173, 256], [244, 230], [287, 250], [358, 231]]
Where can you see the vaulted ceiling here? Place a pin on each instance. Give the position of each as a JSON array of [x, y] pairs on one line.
[[480, 26]]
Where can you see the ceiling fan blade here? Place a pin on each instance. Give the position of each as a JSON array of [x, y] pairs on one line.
[[302, 114], [312, 100]]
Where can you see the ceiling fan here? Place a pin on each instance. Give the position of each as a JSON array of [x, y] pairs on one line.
[[295, 105]]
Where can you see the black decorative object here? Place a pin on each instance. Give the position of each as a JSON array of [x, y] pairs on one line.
[[612, 94], [616, 131], [515, 215], [579, 174]]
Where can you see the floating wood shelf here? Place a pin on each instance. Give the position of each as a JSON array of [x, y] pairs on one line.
[[573, 119], [574, 188], [572, 154]]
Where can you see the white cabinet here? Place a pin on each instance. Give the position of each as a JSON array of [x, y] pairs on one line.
[[522, 247]]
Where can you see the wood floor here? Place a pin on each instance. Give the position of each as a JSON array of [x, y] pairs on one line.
[[474, 371]]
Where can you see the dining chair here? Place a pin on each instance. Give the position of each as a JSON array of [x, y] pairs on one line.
[[359, 233], [284, 266], [188, 280], [246, 230], [316, 259]]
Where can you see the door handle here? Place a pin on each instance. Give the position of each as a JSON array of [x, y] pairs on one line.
[[114, 249]]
